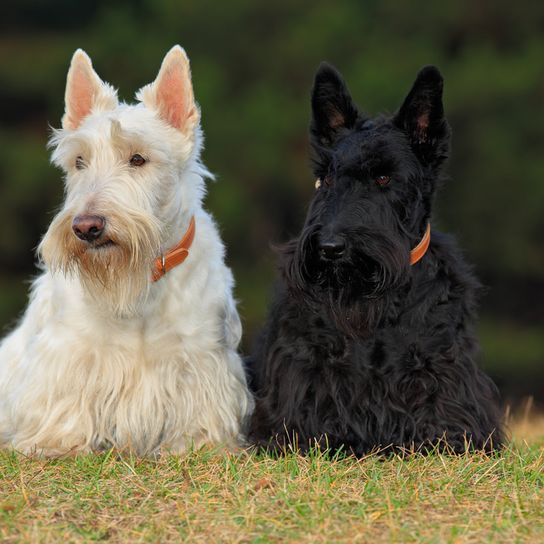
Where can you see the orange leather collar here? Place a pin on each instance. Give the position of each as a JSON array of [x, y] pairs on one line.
[[417, 253], [176, 255]]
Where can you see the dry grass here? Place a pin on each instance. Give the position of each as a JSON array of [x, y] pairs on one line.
[[208, 496], [526, 424]]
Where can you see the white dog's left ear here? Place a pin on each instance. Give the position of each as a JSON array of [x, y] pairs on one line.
[[171, 94], [85, 92]]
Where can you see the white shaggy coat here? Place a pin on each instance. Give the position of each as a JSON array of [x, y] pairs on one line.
[[104, 357]]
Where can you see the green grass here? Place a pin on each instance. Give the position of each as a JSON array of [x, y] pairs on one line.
[[209, 496]]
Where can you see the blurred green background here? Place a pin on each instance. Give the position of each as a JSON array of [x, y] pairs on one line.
[[253, 64]]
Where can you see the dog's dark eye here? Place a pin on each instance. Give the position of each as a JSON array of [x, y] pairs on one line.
[[382, 181], [80, 163], [137, 160]]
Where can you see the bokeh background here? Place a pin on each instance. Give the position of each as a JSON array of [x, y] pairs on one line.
[[253, 64]]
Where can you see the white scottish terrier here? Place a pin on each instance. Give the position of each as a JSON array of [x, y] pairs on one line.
[[130, 337]]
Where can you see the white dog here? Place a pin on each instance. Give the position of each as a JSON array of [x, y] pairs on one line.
[[130, 337]]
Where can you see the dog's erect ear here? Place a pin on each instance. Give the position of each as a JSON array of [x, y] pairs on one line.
[[421, 117], [171, 94], [85, 92], [332, 106]]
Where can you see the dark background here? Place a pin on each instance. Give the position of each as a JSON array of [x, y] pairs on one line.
[[253, 64]]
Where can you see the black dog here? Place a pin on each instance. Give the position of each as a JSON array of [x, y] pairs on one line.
[[369, 343]]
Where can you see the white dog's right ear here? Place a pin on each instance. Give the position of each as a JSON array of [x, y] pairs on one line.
[[171, 94], [85, 92]]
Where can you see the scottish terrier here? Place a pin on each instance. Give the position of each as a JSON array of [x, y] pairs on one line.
[[369, 343], [130, 338]]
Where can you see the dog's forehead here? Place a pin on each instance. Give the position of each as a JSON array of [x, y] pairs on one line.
[[372, 138], [124, 117], [126, 126], [137, 116]]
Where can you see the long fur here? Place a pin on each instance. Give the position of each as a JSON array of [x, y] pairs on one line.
[[367, 352], [104, 357]]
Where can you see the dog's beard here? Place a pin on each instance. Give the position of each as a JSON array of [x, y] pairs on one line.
[[354, 288], [114, 271]]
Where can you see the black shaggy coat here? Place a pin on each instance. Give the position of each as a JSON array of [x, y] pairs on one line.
[[362, 351]]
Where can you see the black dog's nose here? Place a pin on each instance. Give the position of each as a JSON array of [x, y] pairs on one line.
[[332, 248], [88, 227]]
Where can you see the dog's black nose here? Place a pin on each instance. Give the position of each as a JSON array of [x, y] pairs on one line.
[[332, 248], [88, 227]]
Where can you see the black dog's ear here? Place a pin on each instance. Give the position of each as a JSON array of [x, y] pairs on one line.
[[332, 106], [421, 116]]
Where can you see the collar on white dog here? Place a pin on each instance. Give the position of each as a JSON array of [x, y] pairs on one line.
[[176, 255]]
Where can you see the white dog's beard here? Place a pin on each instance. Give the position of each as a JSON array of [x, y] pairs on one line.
[[113, 279], [116, 271]]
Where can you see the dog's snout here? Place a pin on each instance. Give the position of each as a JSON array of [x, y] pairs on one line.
[[332, 248], [88, 227]]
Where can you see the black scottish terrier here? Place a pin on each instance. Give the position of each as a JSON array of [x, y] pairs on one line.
[[369, 342]]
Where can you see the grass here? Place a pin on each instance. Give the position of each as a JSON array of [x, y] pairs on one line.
[[210, 496]]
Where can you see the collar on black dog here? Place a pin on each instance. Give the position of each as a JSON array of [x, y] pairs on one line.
[[417, 253]]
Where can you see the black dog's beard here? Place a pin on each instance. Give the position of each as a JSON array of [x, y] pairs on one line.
[[353, 289]]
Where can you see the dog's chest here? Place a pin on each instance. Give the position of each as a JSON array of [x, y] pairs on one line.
[[362, 367]]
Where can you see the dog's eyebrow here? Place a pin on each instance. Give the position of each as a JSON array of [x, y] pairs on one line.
[[125, 139], [62, 138], [122, 137], [378, 160], [67, 146]]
